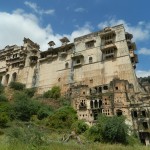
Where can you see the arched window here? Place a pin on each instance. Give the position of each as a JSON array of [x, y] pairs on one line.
[[96, 104], [66, 65], [1, 79], [90, 59], [14, 76], [7, 79], [134, 113], [91, 104]]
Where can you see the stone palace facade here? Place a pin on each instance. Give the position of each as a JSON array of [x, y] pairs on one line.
[[96, 70]]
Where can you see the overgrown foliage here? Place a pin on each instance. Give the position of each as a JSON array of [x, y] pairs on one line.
[[109, 129], [1, 88], [30, 91], [53, 93], [27, 134], [17, 86], [79, 126], [62, 118], [4, 118], [3, 98]]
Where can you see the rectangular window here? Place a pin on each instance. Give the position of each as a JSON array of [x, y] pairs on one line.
[[89, 44]]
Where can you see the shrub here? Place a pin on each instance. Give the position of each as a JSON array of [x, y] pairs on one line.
[[1, 88], [3, 98], [79, 126], [26, 135], [30, 92], [17, 86], [109, 129], [3, 119], [62, 118], [53, 93], [64, 101], [44, 112], [24, 107]]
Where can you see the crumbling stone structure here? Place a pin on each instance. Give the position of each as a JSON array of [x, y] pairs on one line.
[[96, 70]]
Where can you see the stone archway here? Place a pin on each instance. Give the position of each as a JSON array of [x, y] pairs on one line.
[[7, 79], [14, 77]]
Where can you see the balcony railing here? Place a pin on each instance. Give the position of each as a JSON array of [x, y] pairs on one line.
[[75, 55]]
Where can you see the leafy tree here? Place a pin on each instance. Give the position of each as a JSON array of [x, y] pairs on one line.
[[109, 129], [115, 130]]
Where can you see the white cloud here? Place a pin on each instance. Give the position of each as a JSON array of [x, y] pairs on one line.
[[144, 51], [142, 73], [37, 9], [140, 32], [17, 25], [80, 9]]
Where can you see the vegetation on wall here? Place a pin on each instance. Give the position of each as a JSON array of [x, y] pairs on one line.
[[30, 121], [53, 93]]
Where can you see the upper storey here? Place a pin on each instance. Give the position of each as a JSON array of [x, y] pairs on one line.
[[104, 45]]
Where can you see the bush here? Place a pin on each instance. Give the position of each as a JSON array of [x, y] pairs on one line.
[[3, 98], [64, 101], [1, 88], [53, 93], [17, 86], [109, 129], [79, 126], [24, 107], [44, 112], [30, 92], [3, 119], [62, 118], [26, 135]]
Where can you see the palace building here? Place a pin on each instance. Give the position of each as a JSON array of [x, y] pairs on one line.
[[96, 70]]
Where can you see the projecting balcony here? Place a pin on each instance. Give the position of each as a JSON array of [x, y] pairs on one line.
[[77, 65], [43, 59], [63, 53], [54, 55], [75, 55], [33, 57], [108, 46], [132, 54], [21, 64], [34, 50], [49, 56]]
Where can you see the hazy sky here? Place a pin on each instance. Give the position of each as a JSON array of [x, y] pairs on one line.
[[46, 20]]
